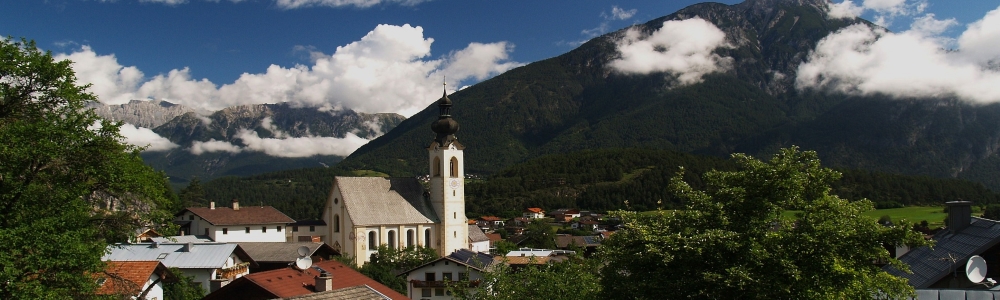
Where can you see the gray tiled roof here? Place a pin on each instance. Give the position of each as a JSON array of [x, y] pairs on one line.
[[477, 235], [380, 200], [475, 260], [202, 256], [277, 251], [362, 292], [930, 265]]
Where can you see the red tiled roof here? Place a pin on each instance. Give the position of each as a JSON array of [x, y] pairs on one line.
[[472, 222], [536, 210], [289, 282], [128, 277], [246, 215], [494, 237], [491, 218]]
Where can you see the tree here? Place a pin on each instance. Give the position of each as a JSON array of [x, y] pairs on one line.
[[192, 195], [387, 262], [732, 242], [992, 212], [570, 279], [184, 288], [68, 184], [539, 235]]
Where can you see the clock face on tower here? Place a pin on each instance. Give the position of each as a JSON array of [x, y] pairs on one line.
[[453, 183]]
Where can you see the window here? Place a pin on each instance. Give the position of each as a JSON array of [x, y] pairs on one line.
[[248, 229], [446, 276], [429, 276], [336, 223], [225, 231], [437, 166], [312, 228], [463, 276], [454, 233], [372, 240], [295, 228], [263, 229], [279, 228], [427, 237], [454, 167], [206, 231], [191, 217], [438, 292], [425, 292], [392, 239], [409, 237], [162, 255]]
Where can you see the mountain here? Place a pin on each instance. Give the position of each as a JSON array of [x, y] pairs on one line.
[[575, 101], [267, 125]]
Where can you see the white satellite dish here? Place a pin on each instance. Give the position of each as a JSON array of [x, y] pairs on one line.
[[975, 269], [303, 251], [305, 262]]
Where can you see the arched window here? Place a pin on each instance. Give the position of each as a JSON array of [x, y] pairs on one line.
[[427, 237], [437, 166], [372, 240], [454, 167], [409, 237], [336, 223], [392, 239]]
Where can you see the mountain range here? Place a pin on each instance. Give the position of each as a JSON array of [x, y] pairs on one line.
[[578, 101]]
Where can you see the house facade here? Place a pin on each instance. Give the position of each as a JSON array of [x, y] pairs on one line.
[[533, 213], [204, 262], [134, 279], [430, 281], [362, 213], [235, 223]]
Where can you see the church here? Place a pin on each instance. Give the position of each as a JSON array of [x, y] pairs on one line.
[[362, 213]]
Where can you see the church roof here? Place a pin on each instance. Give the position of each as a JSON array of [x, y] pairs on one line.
[[385, 200]]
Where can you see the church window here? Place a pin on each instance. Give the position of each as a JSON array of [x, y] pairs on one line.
[[392, 239], [437, 166], [409, 237], [336, 223], [454, 167], [427, 237], [336, 200], [454, 215], [454, 233], [372, 240]]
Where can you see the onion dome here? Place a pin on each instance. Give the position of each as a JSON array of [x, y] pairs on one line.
[[445, 126]]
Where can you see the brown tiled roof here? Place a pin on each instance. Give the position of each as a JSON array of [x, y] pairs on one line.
[[491, 218], [385, 200], [472, 222], [494, 237], [534, 210], [128, 277], [291, 282], [246, 215]]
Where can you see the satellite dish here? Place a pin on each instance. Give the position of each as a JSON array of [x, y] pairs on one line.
[[975, 269], [303, 251], [305, 262]]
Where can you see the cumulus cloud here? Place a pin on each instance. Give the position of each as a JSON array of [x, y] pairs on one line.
[[683, 48], [199, 147], [885, 10], [860, 60], [618, 13], [387, 70], [144, 137]]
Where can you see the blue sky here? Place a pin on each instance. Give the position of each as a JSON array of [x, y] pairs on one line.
[[391, 55]]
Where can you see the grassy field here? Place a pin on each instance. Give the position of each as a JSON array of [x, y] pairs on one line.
[[934, 215]]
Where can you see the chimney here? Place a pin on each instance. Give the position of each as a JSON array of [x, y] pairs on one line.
[[959, 215], [190, 246], [211, 205], [324, 282], [236, 204]]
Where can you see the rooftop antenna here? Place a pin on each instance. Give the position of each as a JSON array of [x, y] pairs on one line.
[[304, 261]]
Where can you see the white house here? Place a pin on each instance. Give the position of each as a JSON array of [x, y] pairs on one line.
[[234, 224], [134, 279], [478, 241], [430, 281], [362, 213], [306, 231], [533, 213], [202, 261]]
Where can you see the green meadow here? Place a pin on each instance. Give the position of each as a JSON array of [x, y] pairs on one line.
[[934, 215]]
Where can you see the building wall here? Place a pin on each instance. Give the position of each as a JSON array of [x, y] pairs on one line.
[[304, 232], [448, 198], [156, 292], [438, 268], [237, 233], [483, 246]]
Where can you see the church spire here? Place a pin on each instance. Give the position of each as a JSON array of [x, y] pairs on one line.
[[445, 126]]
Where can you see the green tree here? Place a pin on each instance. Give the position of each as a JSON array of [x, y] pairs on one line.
[[732, 242], [992, 212], [570, 279], [68, 183], [539, 234], [184, 288], [192, 195], [387, 262]]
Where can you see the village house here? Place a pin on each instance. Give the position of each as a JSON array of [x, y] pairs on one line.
[[271, 256], [490, 223], [363, 213], [478, 241], [306, 231], [134, 279], [430, 281], [533, 213], [204, 262], [565, 214], [322, 280], [234, 224]]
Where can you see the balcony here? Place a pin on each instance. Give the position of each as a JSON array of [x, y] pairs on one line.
[[441, 283], [233, 272]]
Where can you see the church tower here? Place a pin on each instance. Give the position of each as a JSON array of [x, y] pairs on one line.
[[447, 185]]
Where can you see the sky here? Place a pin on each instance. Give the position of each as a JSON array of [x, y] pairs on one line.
[[392, 55]]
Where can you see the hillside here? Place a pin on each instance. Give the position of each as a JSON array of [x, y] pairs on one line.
[[574, 102]]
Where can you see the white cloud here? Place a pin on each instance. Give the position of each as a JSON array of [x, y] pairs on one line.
[[144, 137], [198, 147], [291, 4], [682, 48], [621, 14], [885, 10], [388, 70], [300, 146], [167, 2], [859, 60]]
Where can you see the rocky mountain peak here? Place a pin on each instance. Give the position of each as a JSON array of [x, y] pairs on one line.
[[141, 113]]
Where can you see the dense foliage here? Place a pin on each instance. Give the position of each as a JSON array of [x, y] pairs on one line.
[[731, 242], [570, 279], [69, 186], [384, 265]]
